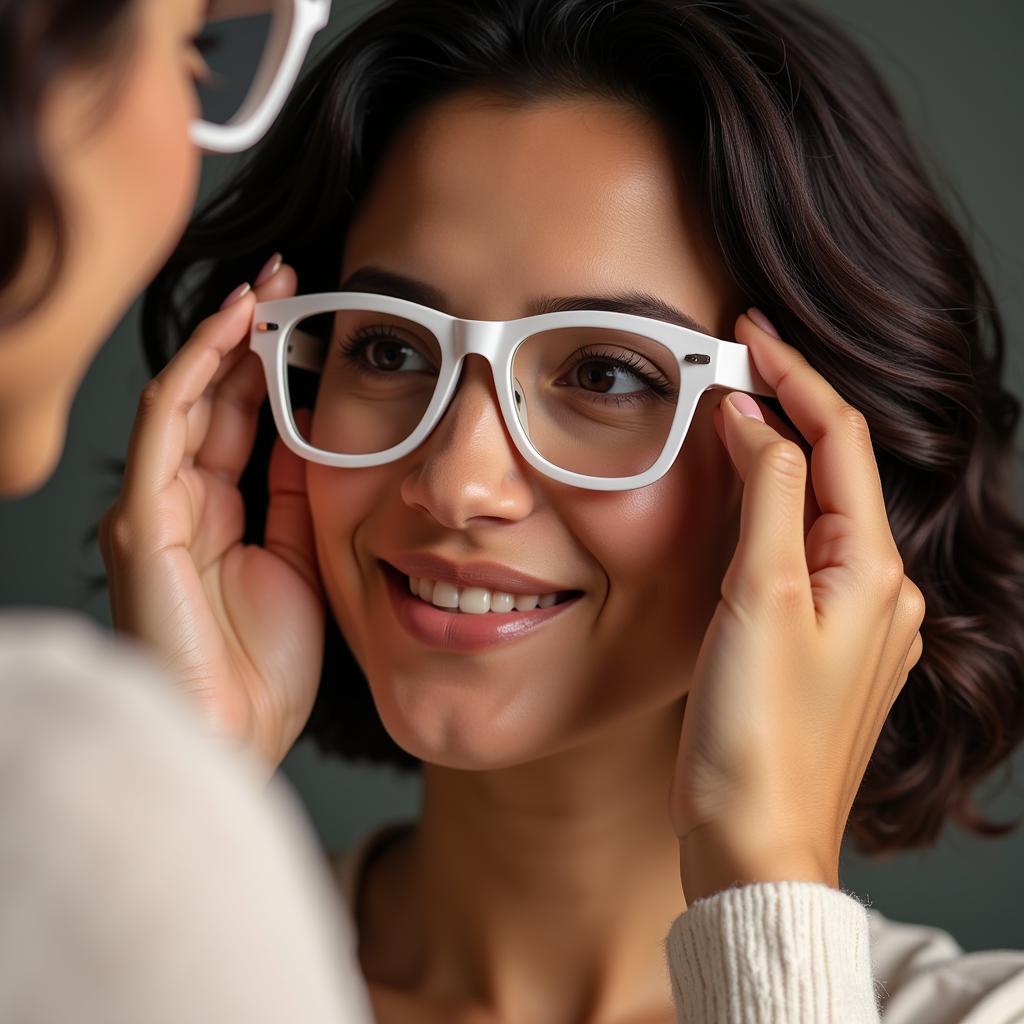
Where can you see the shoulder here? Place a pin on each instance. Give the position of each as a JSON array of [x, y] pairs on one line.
[[923, 976], [67, 652]]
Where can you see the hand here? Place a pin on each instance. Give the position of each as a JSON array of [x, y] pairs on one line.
[[813, 638], [239, 626]]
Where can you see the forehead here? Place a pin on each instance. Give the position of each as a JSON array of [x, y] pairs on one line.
[[496, 202]]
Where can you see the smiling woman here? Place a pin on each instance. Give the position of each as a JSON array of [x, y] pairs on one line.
[[729, 665]]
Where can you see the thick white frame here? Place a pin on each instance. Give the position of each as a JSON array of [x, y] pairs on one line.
[[287, 46], [274, 339]]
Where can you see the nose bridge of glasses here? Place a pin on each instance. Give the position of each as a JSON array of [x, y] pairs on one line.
[[478, 338], [481, 338]]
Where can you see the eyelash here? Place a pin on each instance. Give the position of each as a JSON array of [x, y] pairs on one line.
[[359, 341], [659, 385]]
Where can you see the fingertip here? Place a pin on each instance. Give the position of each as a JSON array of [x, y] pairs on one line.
[[281, 285], [236, 296], [761, 321], [745, 405]]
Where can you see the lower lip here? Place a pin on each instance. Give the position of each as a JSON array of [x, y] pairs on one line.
[[459, 631]]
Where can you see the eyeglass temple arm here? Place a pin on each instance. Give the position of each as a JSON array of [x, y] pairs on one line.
[[735, 370], [306, 351]]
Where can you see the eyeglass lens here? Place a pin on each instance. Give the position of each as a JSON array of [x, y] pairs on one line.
[[595, 401], [235, 41]]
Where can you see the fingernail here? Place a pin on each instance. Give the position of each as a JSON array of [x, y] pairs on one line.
[[241, 290], [763, 322], [746, 405], [270, 268]]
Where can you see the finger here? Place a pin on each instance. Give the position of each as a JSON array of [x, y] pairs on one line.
[[811, 510], [774, 473], [235, 400], [157, 445], [904, 645], [289, 531], [844, 472]]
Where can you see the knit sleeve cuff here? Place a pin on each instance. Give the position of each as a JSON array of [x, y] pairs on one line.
[[773, 953]]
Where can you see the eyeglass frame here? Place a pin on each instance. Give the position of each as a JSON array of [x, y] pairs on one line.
[[279, 67], [706, 361]]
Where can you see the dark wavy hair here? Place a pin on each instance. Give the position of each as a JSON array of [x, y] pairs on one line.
[[827, 219], [39, 43]]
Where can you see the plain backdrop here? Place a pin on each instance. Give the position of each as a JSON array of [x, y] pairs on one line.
[[955, 68]]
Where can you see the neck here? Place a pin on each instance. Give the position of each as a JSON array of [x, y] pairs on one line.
[[542, 891]]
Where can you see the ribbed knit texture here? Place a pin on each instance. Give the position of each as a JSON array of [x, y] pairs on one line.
[[773, 953]]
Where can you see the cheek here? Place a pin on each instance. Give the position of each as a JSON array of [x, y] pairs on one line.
[[155, 160], [340, 501], [665, 547]]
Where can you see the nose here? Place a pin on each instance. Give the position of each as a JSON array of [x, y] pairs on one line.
[[468, 471]]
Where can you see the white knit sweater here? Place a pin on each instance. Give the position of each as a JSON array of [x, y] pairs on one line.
[[804, 953], [146, 877]]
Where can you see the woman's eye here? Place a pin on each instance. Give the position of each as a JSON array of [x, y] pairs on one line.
[[608, 378], [388, 355]]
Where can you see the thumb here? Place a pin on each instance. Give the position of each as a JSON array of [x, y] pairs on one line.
[[289, 530]]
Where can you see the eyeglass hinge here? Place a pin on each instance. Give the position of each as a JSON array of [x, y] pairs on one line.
[[696, 357]]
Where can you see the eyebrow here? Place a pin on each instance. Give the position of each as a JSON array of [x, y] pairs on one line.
[[637, 303]]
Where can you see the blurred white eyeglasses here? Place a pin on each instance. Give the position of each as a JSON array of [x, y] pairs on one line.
[[254, 50], [597, 399]]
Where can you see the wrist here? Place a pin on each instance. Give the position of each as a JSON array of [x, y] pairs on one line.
[[705, 868]]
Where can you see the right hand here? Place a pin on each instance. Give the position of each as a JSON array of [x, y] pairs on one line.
[[239, 626]]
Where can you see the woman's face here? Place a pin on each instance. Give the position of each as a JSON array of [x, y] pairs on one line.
[[116, 140], [494, 205]]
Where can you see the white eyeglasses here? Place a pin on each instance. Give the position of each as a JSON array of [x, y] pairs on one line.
[[595, 399], [255, 56]]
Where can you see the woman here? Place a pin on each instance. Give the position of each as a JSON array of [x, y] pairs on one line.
[[740, 638], [131, 845]]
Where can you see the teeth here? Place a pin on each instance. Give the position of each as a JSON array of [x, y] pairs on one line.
[[476, 600], [445, 595], [501, 602]]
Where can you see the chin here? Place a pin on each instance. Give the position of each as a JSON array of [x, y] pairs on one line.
[[26, 467], [444, 724]]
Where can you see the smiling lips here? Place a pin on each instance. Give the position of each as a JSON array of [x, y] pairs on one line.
[[477, 600], [459, 613]]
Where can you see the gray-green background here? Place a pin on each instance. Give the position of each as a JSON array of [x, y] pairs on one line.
[[956, 68]]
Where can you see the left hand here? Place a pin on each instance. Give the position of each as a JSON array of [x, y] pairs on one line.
[[813, 638]]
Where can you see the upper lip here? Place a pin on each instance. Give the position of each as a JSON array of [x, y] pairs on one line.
[[491, 575]]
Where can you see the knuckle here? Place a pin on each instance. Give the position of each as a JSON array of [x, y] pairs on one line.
[[785, 459], [785, 590], [120, 535], [913, 600], [855, 421], [888, 574], [150, 395]]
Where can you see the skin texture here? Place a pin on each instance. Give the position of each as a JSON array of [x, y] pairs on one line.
[[566, 793], [126, 180], [536, 782]]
